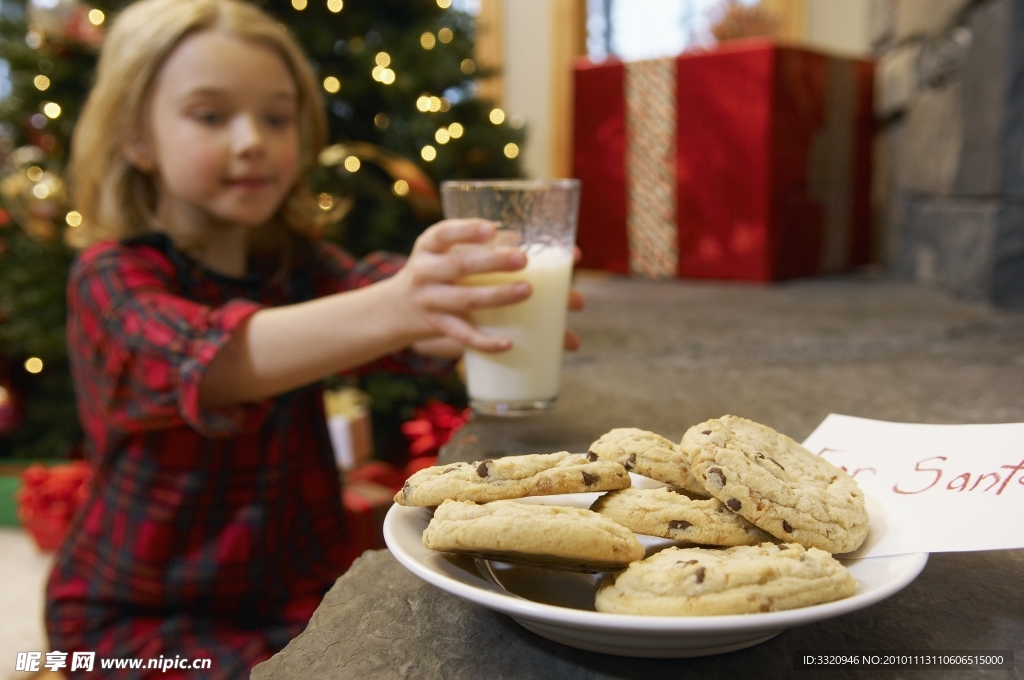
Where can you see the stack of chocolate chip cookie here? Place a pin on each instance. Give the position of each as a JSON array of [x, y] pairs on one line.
[[476, 514], [731, 483]]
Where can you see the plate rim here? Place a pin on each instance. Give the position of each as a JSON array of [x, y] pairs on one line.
[[517, 607]]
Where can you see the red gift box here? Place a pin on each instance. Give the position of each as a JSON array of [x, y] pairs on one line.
[[49, 498], [749, 162]]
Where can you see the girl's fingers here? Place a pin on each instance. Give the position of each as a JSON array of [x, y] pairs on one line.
[[460, 299], [441, 348], [469, 335], [465, 260], [576, 300], [443, 235], [572, 340]]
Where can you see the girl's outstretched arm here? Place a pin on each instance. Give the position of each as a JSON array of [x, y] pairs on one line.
[[282, 348]]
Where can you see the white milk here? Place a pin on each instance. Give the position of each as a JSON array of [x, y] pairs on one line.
[[530, 370]]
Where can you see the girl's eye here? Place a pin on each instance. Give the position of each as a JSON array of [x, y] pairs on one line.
[[279, 121], [208, 117]]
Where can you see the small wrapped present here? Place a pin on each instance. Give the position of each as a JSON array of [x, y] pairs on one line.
[[48, 499], [348, 424]]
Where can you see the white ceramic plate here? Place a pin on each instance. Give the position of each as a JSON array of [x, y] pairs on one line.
[[559, 605]]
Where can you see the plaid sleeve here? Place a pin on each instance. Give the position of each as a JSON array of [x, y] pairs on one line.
[[338, 272], [140, 352]]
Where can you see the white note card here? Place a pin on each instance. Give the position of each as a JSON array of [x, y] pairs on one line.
[[931, 488]]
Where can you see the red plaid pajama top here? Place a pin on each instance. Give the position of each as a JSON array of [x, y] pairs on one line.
[[207, 533]]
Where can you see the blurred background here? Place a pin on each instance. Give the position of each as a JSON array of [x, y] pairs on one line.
[[716, 139]]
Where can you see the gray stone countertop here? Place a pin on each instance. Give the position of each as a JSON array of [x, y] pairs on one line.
[[664, 356]]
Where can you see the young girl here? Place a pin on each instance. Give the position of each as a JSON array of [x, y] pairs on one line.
[[202, 315]]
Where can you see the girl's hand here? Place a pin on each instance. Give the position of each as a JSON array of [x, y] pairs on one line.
[[449, 348], [431, 301]]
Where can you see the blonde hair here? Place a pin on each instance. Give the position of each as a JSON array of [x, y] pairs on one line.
[[115, 198]]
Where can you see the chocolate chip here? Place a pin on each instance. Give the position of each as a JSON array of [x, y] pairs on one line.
[[785, 527], [699, 574], [734, 504], [631, 461], [705, 432], [679, 524], [715, 472], [777, 463], [448, 470], [589, 479], [481, 469], [591, 456], [686, 563], [405, 491], [783, 546]]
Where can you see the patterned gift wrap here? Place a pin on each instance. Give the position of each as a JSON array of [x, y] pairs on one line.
[[748, 162]]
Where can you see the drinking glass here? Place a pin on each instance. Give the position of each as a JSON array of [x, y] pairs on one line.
[[539, 217]]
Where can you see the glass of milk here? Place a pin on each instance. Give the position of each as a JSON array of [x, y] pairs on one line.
[[539, 217]]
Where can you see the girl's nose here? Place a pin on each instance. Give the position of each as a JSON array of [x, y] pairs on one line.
[[247, 137]]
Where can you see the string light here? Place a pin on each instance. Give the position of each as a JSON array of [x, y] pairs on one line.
[[517, 121], [34, 365], [335, 5], [444, 4], [455, 130], [326, 202], [35, 173], [332, 84], [497, 116], [40, 191], [427, 41], [468, 66], [34, 39], [428, 153], [387, 76], [435, 104], [442, 136], [355, 45], [445, 35], [51, 109], [352, 164], [423, 103], [377, 71], [96, 17], [445, 104], [400, 187], [511, 150], [41, 82], [383, 59], [74, 219], [381, 121], [300, 5]]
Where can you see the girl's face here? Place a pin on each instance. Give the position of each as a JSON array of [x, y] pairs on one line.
[[223, 136]]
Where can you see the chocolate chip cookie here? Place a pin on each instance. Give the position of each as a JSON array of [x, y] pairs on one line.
[[741, 580], [650, 455], [668, 514], [539, 474], [777, 484], [545, 535]]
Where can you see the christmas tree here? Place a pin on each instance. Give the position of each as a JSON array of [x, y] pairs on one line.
[[398, 79]]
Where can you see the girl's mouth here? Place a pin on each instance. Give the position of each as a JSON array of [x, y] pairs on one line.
[[249, 183]]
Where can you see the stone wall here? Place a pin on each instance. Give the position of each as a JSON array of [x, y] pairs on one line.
[[949, 179]]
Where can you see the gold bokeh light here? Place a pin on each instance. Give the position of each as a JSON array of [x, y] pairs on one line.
[[400, 188], [497, 116]]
